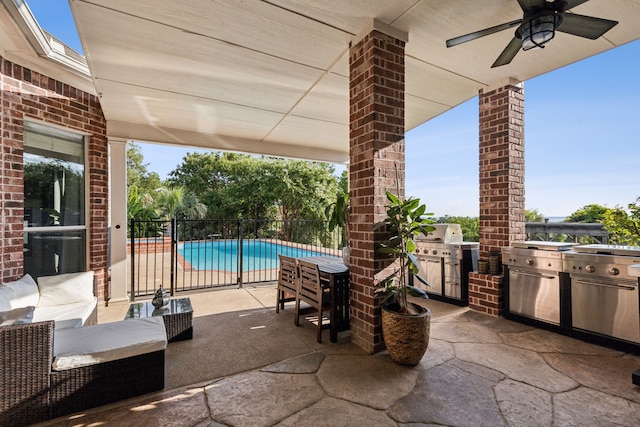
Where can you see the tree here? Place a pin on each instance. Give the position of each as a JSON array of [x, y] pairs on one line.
[[301, 190], [140, 208], [533, 216], [141, 186], [230, 185], [137, 174], [624, 226], [240, 186], [589, 214], [176, 202]]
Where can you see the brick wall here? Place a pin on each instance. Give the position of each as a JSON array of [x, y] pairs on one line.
[[25, 93], [501, 186], [376, 157]]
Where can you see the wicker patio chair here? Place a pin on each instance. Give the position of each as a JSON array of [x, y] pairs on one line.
[[26, 354]]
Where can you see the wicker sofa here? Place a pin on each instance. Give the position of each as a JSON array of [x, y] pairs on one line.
[[48, 371], [68, 299]]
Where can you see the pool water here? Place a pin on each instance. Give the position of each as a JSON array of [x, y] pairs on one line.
[[223, 254]]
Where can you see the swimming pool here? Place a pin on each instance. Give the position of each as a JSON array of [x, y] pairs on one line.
[[223, 254]]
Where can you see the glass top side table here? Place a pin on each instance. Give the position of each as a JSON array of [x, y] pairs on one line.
[[177, 317]]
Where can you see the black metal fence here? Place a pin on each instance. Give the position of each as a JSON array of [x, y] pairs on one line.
[[576, 232], [185, 255]]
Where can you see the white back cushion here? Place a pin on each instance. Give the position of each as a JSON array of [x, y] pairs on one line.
[[25, 292], [65, 288]]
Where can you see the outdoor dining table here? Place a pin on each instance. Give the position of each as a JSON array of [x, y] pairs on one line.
[[336, 273]]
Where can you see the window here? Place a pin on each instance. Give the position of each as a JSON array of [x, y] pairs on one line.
[[54, 201]]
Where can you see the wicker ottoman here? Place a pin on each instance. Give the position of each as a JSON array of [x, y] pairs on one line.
[[177, 316]]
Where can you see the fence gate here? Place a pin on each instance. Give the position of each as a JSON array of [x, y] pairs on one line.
[[185, 255]]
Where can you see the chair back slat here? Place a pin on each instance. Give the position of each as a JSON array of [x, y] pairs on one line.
[[287, 287], [288, 275], [309, 286]]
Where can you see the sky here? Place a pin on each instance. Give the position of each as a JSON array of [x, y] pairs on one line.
[[582, 136]]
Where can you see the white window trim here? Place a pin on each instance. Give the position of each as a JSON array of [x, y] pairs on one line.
[[87, 219]]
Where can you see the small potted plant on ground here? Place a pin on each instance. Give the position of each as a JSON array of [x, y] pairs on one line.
[[405, 325]]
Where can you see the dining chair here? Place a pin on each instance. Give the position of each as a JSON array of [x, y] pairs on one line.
[[287, 281], [312, 292]]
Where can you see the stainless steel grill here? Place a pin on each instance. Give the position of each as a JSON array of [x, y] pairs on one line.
[[604, 296], [445, 262], [534, 279]]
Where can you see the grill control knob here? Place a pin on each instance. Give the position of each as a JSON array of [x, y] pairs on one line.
[[417, 251], [589, 268], [614, 271], [435, 252], [529, 261]]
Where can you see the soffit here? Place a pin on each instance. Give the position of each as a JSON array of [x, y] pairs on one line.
[[272, 76]]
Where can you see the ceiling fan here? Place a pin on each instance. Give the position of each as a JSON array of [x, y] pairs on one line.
[[540, 21]]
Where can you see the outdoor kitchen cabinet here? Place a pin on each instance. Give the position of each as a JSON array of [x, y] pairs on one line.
[[581, 291]]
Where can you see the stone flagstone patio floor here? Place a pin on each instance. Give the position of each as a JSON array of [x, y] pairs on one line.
[[478, 371]]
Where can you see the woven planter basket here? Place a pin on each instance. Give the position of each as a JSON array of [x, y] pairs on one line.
[[406, 336]]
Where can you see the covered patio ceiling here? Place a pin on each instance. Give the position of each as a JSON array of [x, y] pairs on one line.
[[272, 77]]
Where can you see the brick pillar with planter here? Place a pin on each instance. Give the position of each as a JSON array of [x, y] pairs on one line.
[[376, 154], [501, 186]]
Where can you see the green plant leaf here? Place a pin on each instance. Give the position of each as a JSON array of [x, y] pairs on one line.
[[416, 292], [422, 279], [413, 261], [392, 198]]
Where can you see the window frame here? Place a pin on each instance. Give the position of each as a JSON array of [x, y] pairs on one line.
[[87, 218]]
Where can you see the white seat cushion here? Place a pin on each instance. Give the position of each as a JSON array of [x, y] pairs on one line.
[[76, 311], [68, 323], [77, 347]]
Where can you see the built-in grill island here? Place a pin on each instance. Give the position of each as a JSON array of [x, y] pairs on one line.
[[445, 262], [604, 296], [586, 291], [533, 279]]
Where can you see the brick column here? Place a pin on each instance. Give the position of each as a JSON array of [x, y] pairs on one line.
[[12, 183], [376, 154], [501, 186]]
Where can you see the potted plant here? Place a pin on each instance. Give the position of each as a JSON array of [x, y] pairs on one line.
[[405, 325], [339, 217]]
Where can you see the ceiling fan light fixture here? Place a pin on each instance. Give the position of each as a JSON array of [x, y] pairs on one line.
[[539, 30]]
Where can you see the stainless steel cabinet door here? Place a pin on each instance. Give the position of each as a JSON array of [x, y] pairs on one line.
[[607, 309], [431, 270], [535, 295], [452, 279]]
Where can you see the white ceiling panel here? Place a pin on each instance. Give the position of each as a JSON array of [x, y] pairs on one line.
[[275, 72]]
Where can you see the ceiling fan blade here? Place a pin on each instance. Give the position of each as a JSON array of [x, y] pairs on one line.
[[477, 34], [585, 26], [508, 53], [527, 5], [573, 3]]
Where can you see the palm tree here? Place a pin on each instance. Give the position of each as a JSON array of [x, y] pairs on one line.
[[175, 202], [140, 208]]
